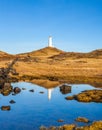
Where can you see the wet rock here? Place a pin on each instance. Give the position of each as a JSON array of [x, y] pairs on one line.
[[68, 127], [6, 90], [32, 90], [41, 92], [94, 126], [12, 102], [17, 90], [64, 89], [60, 120], [82, 119], [88, 96], [5, 108], [69, 98]]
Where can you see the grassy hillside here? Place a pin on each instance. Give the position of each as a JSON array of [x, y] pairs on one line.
[[5, 56], [93, 54]]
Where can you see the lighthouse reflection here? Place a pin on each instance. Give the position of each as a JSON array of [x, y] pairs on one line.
[[64, 89], [50, 90]]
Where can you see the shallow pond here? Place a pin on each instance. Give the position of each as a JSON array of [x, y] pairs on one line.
[[44, 107]]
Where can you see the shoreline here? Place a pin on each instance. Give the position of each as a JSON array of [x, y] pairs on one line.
[[96, 125]]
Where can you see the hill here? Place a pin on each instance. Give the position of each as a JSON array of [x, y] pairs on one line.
[[93, 54], [51, 53], [5, 56], [44, 52]]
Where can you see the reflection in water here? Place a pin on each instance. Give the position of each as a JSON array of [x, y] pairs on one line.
[[32, 110], [65, 89], [50, 92]]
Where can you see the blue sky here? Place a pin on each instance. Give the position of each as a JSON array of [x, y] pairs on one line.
[[75, 25]]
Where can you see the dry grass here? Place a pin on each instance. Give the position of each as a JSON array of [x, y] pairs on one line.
[[53, 69], [69, 67]]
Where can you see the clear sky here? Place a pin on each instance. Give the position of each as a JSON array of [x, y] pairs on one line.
[[75, 25]]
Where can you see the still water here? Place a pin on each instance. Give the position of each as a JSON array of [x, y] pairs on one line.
[[35, 109]]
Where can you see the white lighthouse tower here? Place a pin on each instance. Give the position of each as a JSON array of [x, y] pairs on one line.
[[50, 42]]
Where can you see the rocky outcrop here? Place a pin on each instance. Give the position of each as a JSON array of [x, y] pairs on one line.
[[94, 126], [4, 73], [88, 96], [6, 89]]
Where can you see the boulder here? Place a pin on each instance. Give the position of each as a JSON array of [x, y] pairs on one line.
[[17, 90], [82, 119], [32, 90], [5, 108], [12, 102], [69, 98], [6, 89]]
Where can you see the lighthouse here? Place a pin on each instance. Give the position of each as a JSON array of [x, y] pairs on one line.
[[50, 42]]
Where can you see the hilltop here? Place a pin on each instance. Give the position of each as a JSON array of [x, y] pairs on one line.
[[54, 53], [47, 51]]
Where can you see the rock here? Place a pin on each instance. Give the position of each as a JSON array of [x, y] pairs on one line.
[[60, 120], [5, 108], [32, 90], [17, 90], [82, 119], [23, 88], [88, 96], [12, 102], [69, 98], [7, 89], [68, 127], [41, 92], [94, 126], [64, 89]]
